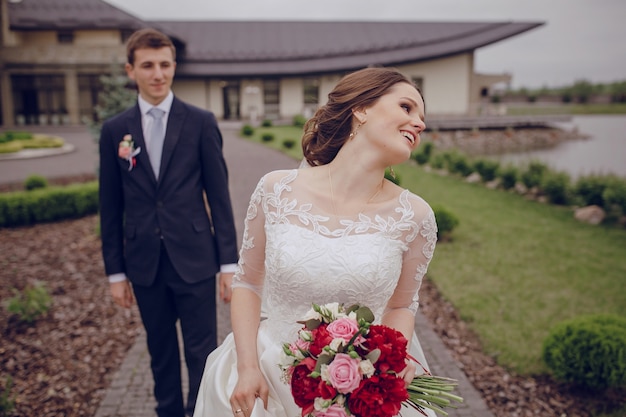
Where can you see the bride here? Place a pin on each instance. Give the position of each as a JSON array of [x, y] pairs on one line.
[[335, 232]]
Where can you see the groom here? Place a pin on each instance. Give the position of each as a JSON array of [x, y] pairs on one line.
[[166, 219]]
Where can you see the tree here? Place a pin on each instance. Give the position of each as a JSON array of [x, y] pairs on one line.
[[114, 97], [618, 92]]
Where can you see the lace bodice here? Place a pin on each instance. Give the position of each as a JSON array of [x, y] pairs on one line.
[[294, 254]]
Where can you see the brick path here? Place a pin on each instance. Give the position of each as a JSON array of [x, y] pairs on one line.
[[130, 393]]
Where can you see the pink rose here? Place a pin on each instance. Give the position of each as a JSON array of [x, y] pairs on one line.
[[343, 373], [343, 328], [124, 151], [299, 345], [334, 410]]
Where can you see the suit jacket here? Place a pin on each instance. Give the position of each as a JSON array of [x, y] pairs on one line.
[[138, 212]]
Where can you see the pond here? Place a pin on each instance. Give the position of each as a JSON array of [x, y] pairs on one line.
[[603, 152]]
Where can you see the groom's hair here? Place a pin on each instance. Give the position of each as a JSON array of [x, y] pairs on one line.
[[147, 38]]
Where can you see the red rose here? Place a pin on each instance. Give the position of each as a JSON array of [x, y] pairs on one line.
[[326, 391], [379, 396], [304, 388], [321, 339], [392, 345]]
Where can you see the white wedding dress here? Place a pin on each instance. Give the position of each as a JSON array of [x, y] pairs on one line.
[[310, 256]]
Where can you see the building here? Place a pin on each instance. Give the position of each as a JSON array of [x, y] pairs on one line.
[[53, 52]]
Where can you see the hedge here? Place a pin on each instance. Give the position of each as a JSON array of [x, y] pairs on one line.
[[48, 204]]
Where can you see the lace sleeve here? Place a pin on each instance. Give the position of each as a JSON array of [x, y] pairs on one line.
[[250, 270], [421, 246]]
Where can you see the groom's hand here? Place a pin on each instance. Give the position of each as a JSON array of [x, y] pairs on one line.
[[226, 278], [122, 293]]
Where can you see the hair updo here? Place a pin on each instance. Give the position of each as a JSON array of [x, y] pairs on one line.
[[331, 125]]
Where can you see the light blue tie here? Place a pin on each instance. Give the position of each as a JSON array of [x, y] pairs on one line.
[[156, 135]]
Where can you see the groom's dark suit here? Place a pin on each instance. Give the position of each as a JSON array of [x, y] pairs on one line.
[[158, 232]]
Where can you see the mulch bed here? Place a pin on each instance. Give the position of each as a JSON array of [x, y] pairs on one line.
[[63, 363]]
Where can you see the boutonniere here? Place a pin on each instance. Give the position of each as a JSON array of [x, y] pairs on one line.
[[126, 150]]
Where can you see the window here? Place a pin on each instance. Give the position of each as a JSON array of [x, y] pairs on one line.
[[311, 91], [37, 98], [125, 34], [89, 86], [65, 36], [311, 87], [271, 98]]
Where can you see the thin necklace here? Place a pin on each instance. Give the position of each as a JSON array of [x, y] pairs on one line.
[[332, 195]]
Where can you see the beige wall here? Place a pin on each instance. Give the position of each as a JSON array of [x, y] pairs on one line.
[[192, 91], [97, 37], [81, 37], [291, 97], [447, 83], [327, 83], [252, 99], [216, 99]]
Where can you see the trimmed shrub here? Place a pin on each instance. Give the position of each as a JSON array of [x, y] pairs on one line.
[[266, 123], [267, 137], [15, 135], [299, 120], [508, 176], [438, 161], [395, 178], [15, 142], [446, 221], [48, 204], [533, 174], [247, 130], [556, 185], [42, 141], [615, 195], [458, 163], [289, 143], [424, 153], [487, 168], [35, 182], [588, 351], [10, 147], [590, 189]]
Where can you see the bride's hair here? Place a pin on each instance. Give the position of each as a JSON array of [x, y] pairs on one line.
[[331, 125]]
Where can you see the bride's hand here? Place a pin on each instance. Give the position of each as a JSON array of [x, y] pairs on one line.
[[250, 385], [408, 373]]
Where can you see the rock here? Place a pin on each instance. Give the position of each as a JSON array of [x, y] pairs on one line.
[[473, 178], [492, 185], [590, 214], [520, 188]]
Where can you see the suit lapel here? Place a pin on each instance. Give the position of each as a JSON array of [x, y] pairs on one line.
[[136, 131], [175, 123]]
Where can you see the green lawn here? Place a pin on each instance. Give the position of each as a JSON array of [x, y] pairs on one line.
[[514, 267]]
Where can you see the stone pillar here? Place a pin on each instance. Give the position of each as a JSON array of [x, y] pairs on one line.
[[6, 96], [71, 96]]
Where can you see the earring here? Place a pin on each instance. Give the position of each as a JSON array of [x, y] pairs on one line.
[[392, 173], [354, 132]]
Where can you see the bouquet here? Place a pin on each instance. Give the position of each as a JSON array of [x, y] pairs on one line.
[[341, 364]]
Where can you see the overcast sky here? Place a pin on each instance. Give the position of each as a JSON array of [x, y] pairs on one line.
[[581, 39]]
